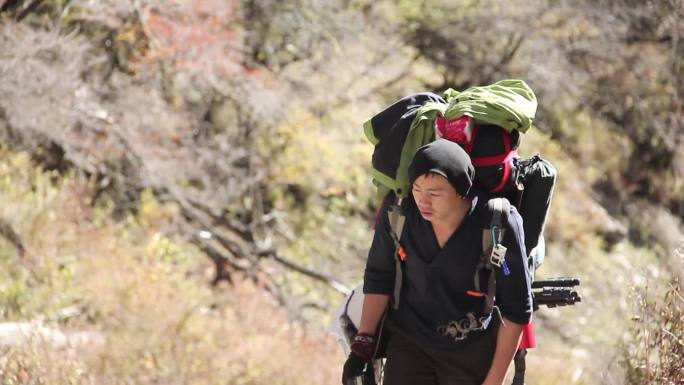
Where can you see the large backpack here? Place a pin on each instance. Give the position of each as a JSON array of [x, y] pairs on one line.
[[496, 115], [487, 123]]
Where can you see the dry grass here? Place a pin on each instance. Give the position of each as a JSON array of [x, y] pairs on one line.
[[654, 353], [145, 293]]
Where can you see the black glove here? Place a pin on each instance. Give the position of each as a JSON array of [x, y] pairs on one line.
[[360, 360]]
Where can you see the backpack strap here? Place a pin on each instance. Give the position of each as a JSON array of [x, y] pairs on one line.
[[493, 252], [396, 221]]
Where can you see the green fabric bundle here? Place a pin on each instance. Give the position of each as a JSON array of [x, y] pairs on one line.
[[509, 104]]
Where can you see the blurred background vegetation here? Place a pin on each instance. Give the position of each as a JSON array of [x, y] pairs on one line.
[[185, 184]]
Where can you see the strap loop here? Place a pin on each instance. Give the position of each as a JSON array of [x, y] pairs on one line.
[[396, 221]]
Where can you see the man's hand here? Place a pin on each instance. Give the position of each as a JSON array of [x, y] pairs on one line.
[[360, 359]]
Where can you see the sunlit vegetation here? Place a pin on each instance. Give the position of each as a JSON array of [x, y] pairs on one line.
[[185, 184]]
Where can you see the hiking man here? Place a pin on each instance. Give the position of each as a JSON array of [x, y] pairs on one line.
[[439, 331]]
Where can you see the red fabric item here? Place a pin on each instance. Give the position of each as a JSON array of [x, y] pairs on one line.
[[528, 340], [460, 130]]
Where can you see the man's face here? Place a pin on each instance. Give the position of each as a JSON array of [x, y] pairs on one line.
[[435, 197]]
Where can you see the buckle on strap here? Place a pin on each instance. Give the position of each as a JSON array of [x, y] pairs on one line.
[[498, 254]]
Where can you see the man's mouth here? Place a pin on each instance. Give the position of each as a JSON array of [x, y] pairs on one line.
[[425, 213]]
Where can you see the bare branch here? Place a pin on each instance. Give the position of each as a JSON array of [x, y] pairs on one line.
[[8, 232], [28, 9], [335, 284]]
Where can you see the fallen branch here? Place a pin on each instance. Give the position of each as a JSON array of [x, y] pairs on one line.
[[8, 232], [6, 4], [29, 8], [335, 284]]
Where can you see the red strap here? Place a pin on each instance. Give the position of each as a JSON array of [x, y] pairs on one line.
[[507, 171], [493, 160]]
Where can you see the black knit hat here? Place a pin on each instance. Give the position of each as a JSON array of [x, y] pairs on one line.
[[445, 158]]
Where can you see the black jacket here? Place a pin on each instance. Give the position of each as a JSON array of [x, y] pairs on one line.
[[435, 309]]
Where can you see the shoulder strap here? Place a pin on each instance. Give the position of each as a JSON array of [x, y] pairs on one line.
[[396, 221], [497, 215], [493, 252]]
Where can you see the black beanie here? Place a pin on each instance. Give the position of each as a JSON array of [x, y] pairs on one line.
[[445, 158]]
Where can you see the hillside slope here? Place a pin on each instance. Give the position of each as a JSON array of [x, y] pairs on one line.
[[191, 181]]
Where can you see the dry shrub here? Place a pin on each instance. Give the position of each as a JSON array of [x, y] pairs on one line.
[[32, 364], [654, 354], [145, 293], [250, 341]]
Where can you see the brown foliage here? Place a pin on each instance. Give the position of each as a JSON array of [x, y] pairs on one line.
[[654, 356], [137, 96]]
